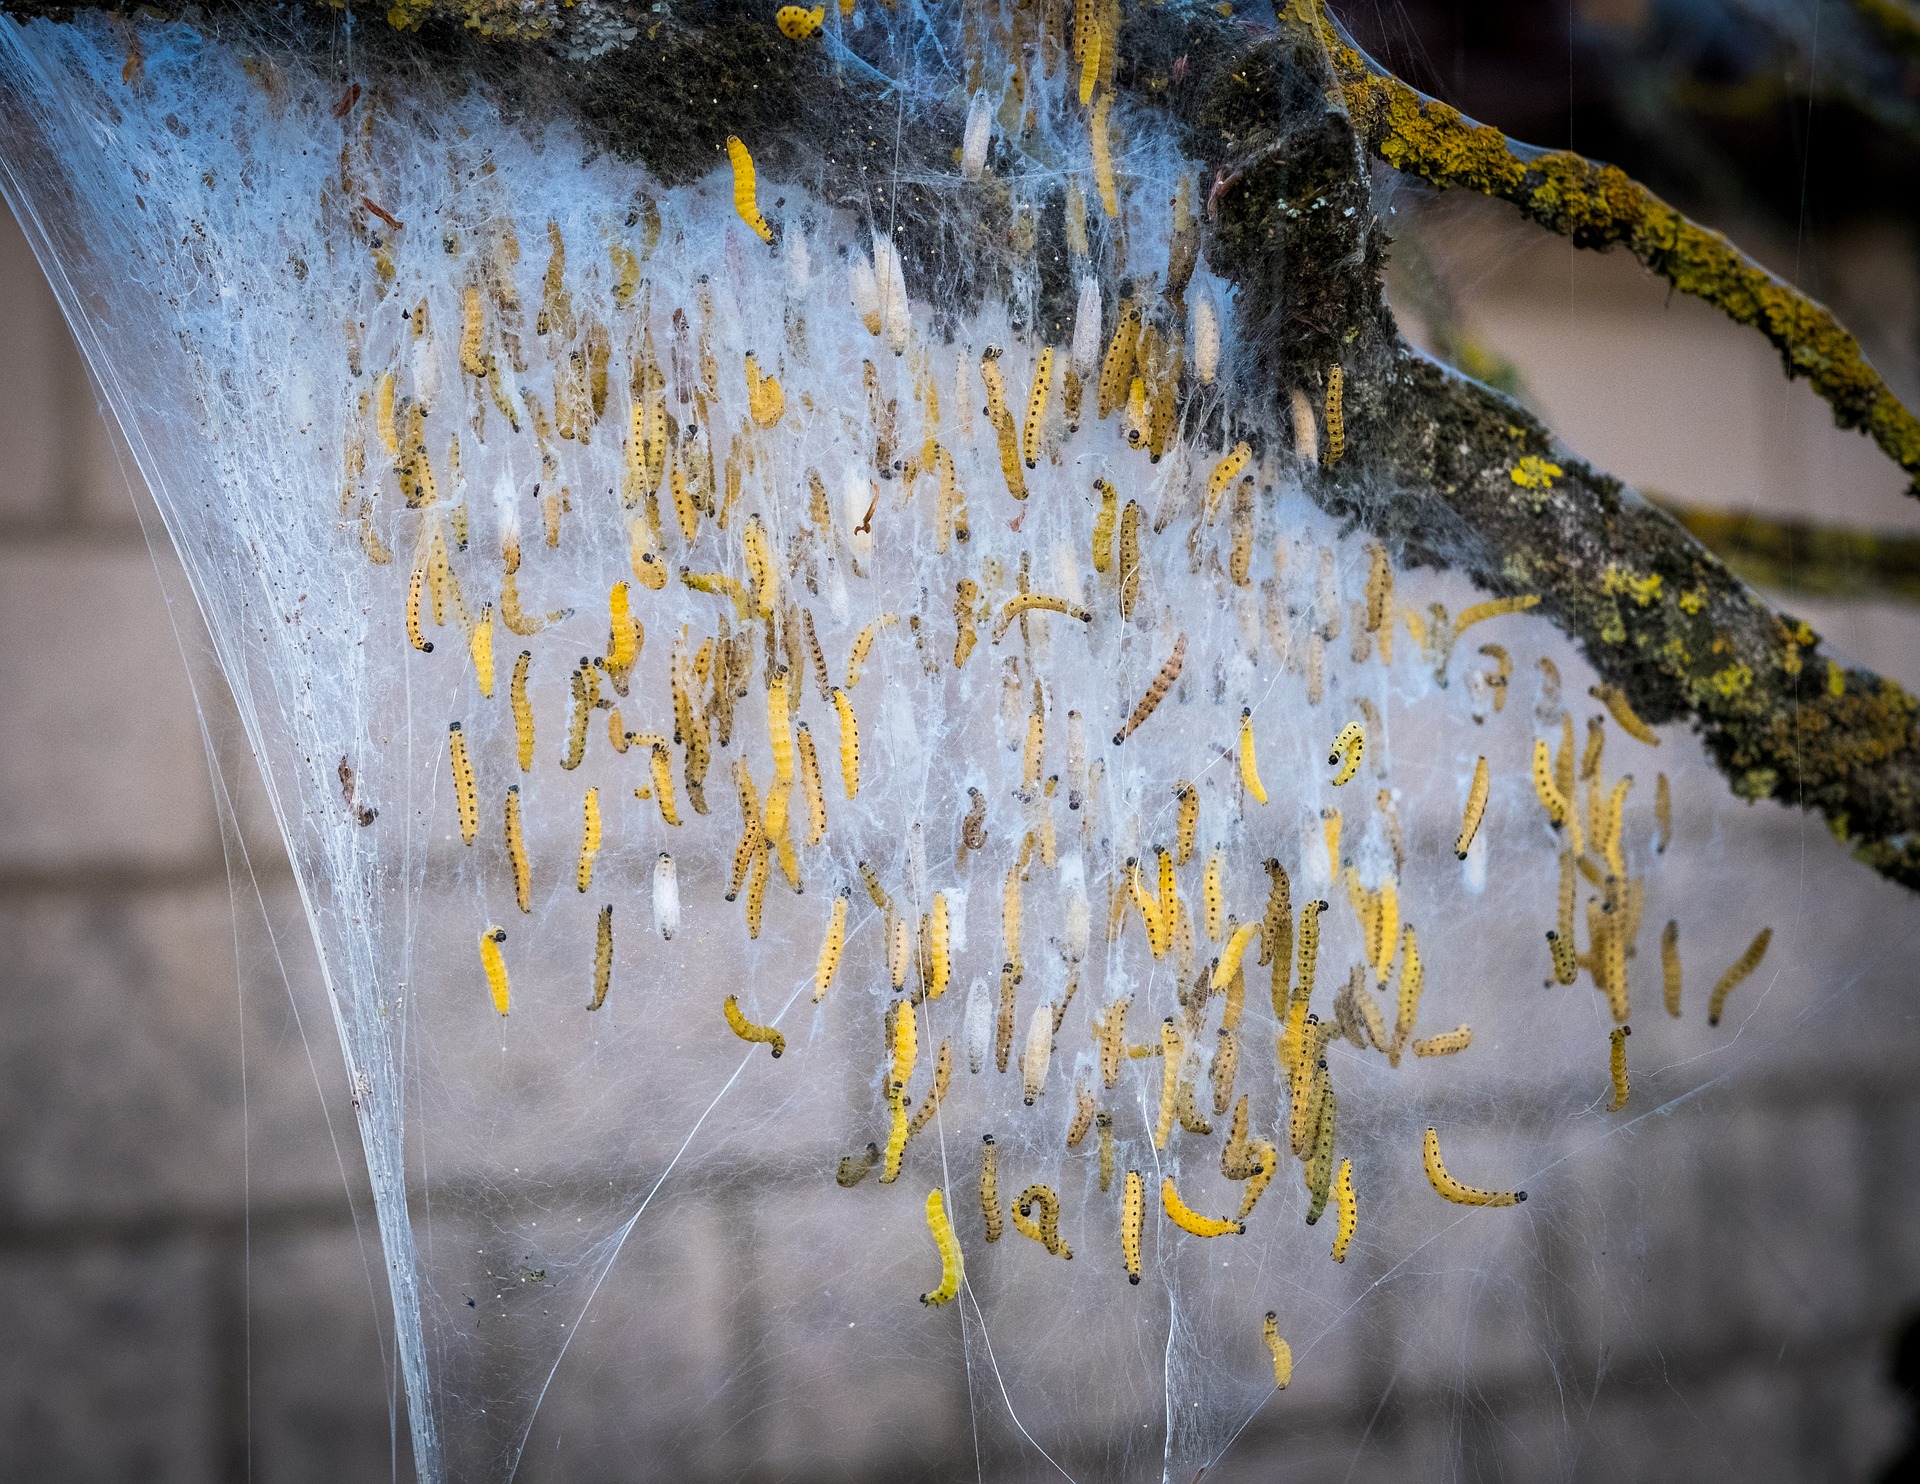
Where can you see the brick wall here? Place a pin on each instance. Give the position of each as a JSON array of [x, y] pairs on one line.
[[190, 1287]]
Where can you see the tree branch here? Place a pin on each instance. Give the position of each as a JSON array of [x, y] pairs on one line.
[[1600, 206]]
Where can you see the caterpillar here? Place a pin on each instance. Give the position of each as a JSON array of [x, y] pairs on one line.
[[810, 786], [1346, 752], [1156, 692], [1307, 950], [1346, 1210], [1617, 1066], [942, 1078], [1739, 970], [1445, 1044], [1448, 1188], [1224, 473], [746, 1030], [899, 951], [1621, 709], [1133, 1211], [905, 1040], [480, 649], [1566, 967], [1099, 136], [952, 1269], [1611, 821], [1110, 1033], [1037, 408], [589, 840], [1103, 1122], [1319, 1168], [1032, 602], [1045, 1228], [1276, 924], [763, 576], [1116, 366], [855, 1167], [1130, 519], [1188, 824], [965, 593], [1476, 807], [577, 725], [603, 958], [1502, 673], [939, 954], [1170, 1049], [1189, 1220], [662, 761], [416, 580], [1330, 831], [1011, 900], [1662, 813], [1249, 764], [517, 852], [1212, 896], [1493, 608], [862, 647], [828, 964], [1412, 981], [1281, 1351], [466, 802], [1103, 525], [666, 896], [495, 965], [1551, 799], [849, 743], [1240, 556], [1336, 419], [744, 194], [1084, 1108], [990, 1186], [1670, 966], [1230, 956], [897, 1131], [1089, 62], [1003, 1026]]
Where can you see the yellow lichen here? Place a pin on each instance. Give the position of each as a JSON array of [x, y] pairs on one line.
[[1535, 473], [1693, 600], [1732, 681]]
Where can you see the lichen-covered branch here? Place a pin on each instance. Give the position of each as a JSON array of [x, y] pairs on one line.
[[1600, 206], [1455, 474]]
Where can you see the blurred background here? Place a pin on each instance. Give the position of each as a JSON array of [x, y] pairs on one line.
[[189, 1286]]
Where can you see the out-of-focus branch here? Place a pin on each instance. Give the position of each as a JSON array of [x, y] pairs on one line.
[[1896, 20], [1806, 557], [1600, 206]]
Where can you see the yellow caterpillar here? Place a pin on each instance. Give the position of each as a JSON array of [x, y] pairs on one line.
[[1445, 1044], [1476, 807], [1230, 956], [745, 199], [1617, 1067], [1170, 1050], [603, 958], [1045, 1228], [589, 840], [1188, 1220], [990, 1186], [1551, 799], [897, 1132], [1336, 420], [480, 647], [1036, 602], [466, 802], [1189, 824], [1346, 751], [1615, 700], [1741, 967], [746, 1030], [495, 965], [1566, 966], [1448, 1188], [952, 1269], [1224, 473], [1281, 1351], [849, 743], [1133, 1211], [517, 852], [1346, 1210], [1494, 608], [1249, 764], [834, 945], [1037, 408], [1098, 131], [1213, 896]]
